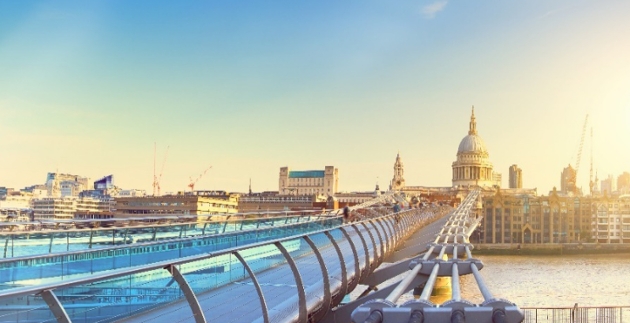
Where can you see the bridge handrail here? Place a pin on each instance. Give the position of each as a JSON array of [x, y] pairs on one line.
[[144, 244], [38, 289], [234, 217]]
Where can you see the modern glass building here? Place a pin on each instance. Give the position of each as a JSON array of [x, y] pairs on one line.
[[104, 183]]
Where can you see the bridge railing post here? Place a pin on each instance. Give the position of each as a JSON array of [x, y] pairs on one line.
[[55, 306], [189, 294], [366, 253], [302, 311], [252, 276], [327, 300]]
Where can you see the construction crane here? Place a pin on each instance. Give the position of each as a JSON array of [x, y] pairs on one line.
[[591, 184], [573, 179], [193, 182], [158, 178]]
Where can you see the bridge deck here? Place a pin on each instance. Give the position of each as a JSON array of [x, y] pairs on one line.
[[278, 286]]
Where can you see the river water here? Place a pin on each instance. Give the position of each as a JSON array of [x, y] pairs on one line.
[[552, 281], [589, 280]]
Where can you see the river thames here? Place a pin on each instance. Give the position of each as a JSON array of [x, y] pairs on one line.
[[546, 281], [554, 281]]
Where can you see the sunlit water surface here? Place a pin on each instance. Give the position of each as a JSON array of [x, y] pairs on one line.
[[551, 281]]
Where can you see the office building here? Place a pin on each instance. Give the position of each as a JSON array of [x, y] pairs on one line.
[[567, 180], [188, 203], [608, 185], [61, 185], [308, 182], [104, 183], [526, 218], [516, 177]]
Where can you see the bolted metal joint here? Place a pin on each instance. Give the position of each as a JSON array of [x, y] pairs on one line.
[[458, 316], [364, 312], [416, 317], [498, 316], [504, 311], [375, 317]]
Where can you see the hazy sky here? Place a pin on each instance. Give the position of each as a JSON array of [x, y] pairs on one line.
[[87, 87]]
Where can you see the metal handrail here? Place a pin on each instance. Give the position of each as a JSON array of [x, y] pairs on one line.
[[144, 244], [30, 290], [233, 217]]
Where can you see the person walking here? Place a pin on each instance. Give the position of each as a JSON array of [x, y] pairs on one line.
[[346, 214]]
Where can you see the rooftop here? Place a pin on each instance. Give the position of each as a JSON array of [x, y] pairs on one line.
[[306, 174]]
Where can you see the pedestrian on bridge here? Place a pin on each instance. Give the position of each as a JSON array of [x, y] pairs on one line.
[[346, 214]]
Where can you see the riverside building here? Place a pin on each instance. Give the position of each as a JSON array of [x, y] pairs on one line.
[[66, 184], [182, 203], [556, 218], [526, 218], [308, 182], [70, 207], [274, 202]]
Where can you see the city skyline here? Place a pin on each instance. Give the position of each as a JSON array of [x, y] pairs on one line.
[[251, 88]]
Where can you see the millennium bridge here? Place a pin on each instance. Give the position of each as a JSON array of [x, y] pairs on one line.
[[286, 267]]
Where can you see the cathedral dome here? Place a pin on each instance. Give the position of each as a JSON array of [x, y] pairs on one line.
[[472, 144], [473, 167]]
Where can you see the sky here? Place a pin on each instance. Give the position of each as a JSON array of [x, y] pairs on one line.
[[247, 87]]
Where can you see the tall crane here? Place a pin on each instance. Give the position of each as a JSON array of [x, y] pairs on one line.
[[158, 178], [591, 184], [573, 179], [193, 182]]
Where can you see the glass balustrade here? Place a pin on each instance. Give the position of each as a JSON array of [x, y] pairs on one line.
[[58, 266]]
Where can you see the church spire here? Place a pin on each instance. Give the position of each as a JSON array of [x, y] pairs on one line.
[[399, 171], [473, 123]]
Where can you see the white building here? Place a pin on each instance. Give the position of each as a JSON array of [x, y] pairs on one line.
[[612, 223], [66, 184], [131, 193], [16, 206], [308, 182], [54, 208], [65, 208], [356, 197]]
